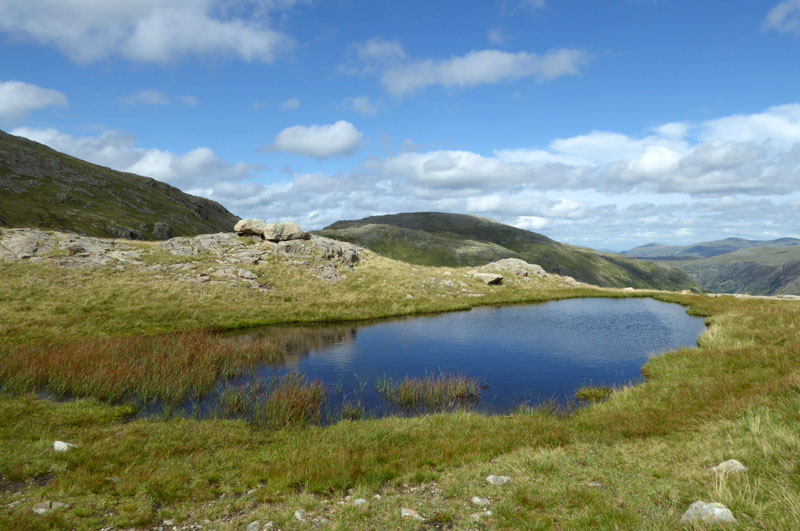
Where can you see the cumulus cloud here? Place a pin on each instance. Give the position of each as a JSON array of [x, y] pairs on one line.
[[481, 68], [320, 141], [194, 170], [361, 104], [147, 30], [784, 17], [17, 99], [401, 75]]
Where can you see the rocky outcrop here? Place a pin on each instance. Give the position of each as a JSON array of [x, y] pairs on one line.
[[516, 267], [274, 232], [210, 258]]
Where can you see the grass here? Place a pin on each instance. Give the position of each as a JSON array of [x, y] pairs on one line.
[[593, 394], [636, 460], [431, 392], [168, 368]]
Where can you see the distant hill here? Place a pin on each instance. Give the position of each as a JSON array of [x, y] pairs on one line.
[[705, 249], [734, 265], [42, 188], [433, 238]]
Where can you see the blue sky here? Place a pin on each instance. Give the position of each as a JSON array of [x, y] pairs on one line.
[[606, 124]]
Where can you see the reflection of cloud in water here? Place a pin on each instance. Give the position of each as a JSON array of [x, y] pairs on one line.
[[334, 343]]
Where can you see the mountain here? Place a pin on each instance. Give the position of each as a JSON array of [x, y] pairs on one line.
[[42, 188], [733, 265], [705, 249], [434, 238]]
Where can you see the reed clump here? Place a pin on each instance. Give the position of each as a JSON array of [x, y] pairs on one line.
[[294, 401], [432, 391], [167, 368]]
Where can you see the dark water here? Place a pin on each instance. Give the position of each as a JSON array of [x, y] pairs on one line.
[[524, 354]]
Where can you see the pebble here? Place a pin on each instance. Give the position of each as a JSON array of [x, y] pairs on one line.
[[475, 517], [61, 446], [359, 501], [300, 515], [731, 466], [253, 526], [47, 506], [377, 497], [708, 513], [498, 480], [477, 500], [411, 513]]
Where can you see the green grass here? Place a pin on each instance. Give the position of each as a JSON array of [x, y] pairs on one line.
[[593, 394], [634, 461]]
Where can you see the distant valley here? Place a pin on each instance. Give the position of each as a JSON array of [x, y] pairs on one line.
[[733, 265]]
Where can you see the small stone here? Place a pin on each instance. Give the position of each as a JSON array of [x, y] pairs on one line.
[[708, 513], [409, 296], [411, 513], [477, 500], [253, 526], [252, 491], [61, 446], [377, 497], [245, 274], [595, 485], [47, 506], [168, 522], [300, 515], [477, 517], [268, 525], [731, 466], [359, 501], [498, 480]]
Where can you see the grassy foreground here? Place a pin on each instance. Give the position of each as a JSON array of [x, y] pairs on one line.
[[634, 461]]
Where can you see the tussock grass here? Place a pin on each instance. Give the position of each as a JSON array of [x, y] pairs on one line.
[[593, 394], [431, 391], [169, 368]]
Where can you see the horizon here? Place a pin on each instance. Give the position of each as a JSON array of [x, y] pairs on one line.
[[604, 126]]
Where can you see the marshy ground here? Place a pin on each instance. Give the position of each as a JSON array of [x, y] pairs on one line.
[[635, 460]]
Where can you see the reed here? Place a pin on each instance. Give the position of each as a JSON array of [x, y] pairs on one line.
[[294, 401], [168, 368], [432, 391]]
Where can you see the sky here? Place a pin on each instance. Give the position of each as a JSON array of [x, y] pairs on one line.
[[606, 124]]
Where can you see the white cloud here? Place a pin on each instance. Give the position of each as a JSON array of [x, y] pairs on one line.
[[320, 141], [146, 97], [196, 169], [362, 105], [482, 67], [292, 104], [784, 17], [147, 30], [17, 99], [496, 35]]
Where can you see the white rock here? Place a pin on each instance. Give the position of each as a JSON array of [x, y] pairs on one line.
[[411, 513], [477, 500], [268, 525], [61, 446], [300, 515], [498, 480], [47, 506], [708, 513], [359, 501], [377, 497], [244, 273], [253, 526], [731, 466]]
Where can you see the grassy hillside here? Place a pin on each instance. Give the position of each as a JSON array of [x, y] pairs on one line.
[[439, 239], [42, 188]]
